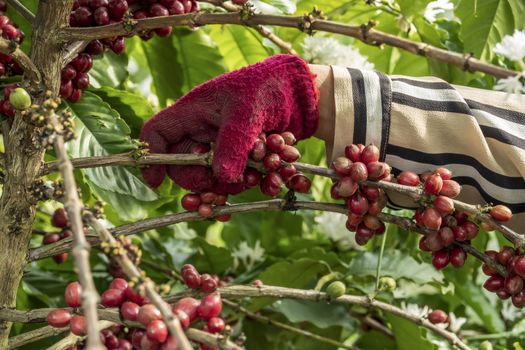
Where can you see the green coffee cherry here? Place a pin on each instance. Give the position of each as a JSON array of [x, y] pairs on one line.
[[336, 289], [20, 99], [387, 284], [485, 345]]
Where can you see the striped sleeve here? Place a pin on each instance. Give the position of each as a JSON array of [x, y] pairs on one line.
[[424, 123]]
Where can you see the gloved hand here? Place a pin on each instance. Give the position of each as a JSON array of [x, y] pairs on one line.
[[275, 95]]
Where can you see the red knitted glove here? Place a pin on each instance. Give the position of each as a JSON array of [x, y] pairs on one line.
[[275, 95]]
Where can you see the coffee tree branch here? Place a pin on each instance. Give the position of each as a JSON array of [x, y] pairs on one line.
[[269, 205], [130, 159], [81, 247], [11, 48], [363, 33], [133, 273], [240, 292], [22, 10]]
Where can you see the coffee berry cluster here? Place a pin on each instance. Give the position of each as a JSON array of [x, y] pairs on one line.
[[91, 13], [511, 286], [274, 156], [277, 154], [364, 203], [8, 67], [134, 307]]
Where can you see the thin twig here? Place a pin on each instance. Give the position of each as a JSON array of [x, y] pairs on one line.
[[109, 314], [133, 272], [35, 335], [22, 10], [130, 159], [364, 301], [72, 339], [283, 45], [11, 48], [363, 33], [81, 247], [272, 322], [269, 205]]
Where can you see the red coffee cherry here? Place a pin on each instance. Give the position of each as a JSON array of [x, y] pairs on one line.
[[50, 238], [72, 294], [272, 162], [408, 178], [189, 306], [502, 294], [191, 201], [216, 325], [275, 143], [377, 170], [371, 193], [129, 310], [131, 295], [192, 279], [505, 254], [272, 184], [440, 259], [58, 318], [148, 313], [252, 177], [513, 284], [433, 184], [183, 317], [345, 187], [205, 210], [363, 234], [353, 152], [358, 172], [518, 300], [342, 166], [136, 337], [444, 173], [438, 316], [423, 245], [259, 150], [457, 257], [289, 138], [157, 331], [431, 219], [200, 148], [446, 236], [119, 283], [208, 283], [208, 197], [444, 205], [211, 306], [300, 183], [500, 213], [77, 325], [372, 222], [221, 199], [60, 218], [112, 297], [370, 154], [519, 266], [290, 154], [494, 283], [148, 344], [433, 242], [171, 342], [287, 171], [450, 189], [358, 204]]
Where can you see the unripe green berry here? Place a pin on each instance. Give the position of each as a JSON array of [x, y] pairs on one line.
[[485, 345], [387, 284], [20, 99], [336, 289]]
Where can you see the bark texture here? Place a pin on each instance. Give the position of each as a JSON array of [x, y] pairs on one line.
[[24, 157]]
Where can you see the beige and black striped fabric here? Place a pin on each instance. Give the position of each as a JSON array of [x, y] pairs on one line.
[[420, 124]]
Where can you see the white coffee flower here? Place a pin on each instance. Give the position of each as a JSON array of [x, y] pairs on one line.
[[511, 85], [439, 9], [320, 49], [247, 255], [455, 323], [416, 310], [512, 46], [333, 226]]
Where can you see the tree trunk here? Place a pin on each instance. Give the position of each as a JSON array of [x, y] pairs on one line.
[[24, 158]]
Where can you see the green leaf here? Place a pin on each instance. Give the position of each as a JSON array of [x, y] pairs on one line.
[[132, 107], [211, 258], [408, 335], [485, 22], [275, 6], [198, 56], [238, 45], [109, 69], [472, 296], [101, 131], [319, 314], [410, 8], [395, 264], [295, 274]]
